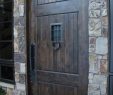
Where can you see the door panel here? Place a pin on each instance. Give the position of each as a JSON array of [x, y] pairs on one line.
[[66, 58], [58, 78], [58, 7], [56, 89], [59, 31]]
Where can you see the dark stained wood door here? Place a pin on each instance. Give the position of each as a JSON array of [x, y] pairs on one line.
[[59, 32]]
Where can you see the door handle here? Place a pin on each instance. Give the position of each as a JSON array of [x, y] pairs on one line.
[[32, 57], [56, 45]]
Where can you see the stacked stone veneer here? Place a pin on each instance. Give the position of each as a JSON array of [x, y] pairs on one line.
[[98, 47], [19, 47]]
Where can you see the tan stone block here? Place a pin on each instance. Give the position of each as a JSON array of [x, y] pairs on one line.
[[17, 77], [104, 4], [102, 45], [94, 24], [97, 67], [22, 78], [92, 40], [103, 66], [91, 75], [16, 9], [9, 91], [91, 68], [21, 10], [94, 93], [17, 67], [97, 1], [93, 87], [93, 63], [94, 27], [92, 58], [21, 1], [16, 47], [99, 79], [105, 20], [94, 5], [20, 86], [105, 31], [104, 12], [92, 47], [99, 57], [105, 57], [94, 13], [103, 88]]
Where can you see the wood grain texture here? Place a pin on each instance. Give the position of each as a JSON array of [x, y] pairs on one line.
[[63, 71], [40, 2], [55, 89], [65, 59]]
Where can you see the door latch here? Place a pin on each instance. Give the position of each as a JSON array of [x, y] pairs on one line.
[[32, 62], [32, 57]]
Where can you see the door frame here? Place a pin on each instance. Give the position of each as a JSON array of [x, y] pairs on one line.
[[110, 48], [28, 29], [109, 44]]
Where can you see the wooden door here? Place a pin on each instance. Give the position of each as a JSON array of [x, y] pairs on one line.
[[59, 35]]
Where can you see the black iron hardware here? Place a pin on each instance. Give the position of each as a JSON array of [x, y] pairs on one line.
[[32, 62], [32, 57]]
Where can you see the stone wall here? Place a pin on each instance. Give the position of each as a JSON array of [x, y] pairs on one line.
[[19, 47], [98, 47]]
